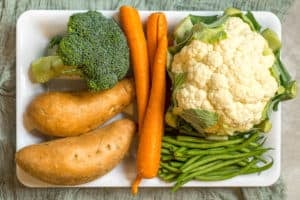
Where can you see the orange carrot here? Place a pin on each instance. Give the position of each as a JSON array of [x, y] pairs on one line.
[[151, 29], [156, 28], [133, 29], [148, 154]]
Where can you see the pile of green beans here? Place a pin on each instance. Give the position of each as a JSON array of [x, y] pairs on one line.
[[186, 158]]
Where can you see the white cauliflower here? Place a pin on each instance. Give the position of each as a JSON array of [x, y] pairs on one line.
[[231, 77]]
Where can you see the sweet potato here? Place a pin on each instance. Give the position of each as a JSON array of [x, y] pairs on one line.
[[78, 159], [73, 113]]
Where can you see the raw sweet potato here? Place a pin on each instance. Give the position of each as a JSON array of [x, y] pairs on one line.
[[73, 113], [78, 159]]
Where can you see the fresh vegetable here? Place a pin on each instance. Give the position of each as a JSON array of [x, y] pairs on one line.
[[156, 28], [151, 32], [77, 160], [148, 153], [207, 160], [132, 26], [226, 75], [94, 48], [73, 113], [45, 68]]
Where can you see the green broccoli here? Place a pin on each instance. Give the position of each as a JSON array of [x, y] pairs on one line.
[[94, 47]]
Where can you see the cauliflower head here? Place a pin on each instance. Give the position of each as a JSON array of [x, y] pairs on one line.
[[230, 77]]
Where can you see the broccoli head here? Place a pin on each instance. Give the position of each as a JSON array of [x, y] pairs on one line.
[[98, 48]]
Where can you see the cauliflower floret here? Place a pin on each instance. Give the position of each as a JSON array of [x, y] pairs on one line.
[[231, 77]]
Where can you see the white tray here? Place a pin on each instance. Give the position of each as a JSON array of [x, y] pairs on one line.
[[34, 30]]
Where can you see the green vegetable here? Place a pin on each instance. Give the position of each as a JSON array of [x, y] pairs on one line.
[[225, 170], [259, 169], [199, 119], [208, 28], [208, 35], [170, 168], [46, 68], [184, 179], [227, 175], [237, 145], [264, 126], [241, 154], [165, 151], [185, 138], [251, 18], [208, 145], [96, 46], [232, 11], [185, 128], [191, 161], [171, 119], [223, 156], [287, 89], [280, 71], [176, 164], [203, 19], [272, 38], [199, 31], [55, 41], [182, 29]]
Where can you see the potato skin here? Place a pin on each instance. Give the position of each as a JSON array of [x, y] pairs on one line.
[[79, 159], [65, 114]]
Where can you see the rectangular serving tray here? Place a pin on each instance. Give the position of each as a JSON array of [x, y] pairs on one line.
[[34, 30]]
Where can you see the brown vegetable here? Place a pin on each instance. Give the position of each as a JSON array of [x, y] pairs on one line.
[[79, 159], [73, 113]]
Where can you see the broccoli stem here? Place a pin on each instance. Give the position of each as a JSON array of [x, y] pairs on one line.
[[45, 68]]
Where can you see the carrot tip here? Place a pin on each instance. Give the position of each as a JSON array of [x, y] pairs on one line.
[[135, 185]]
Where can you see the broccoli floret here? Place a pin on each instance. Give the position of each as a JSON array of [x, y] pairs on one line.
[[97, 46]]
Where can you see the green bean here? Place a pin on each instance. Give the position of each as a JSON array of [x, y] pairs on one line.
[[164, 174], [161, 174], [243, 134], [193, 152], [169, 177], [208, 165], [191, 161], [184, 179], [176, 164], [163, 170], [226, 156], [165, 151], [201, 146], [261, 159], [184, 158], [225, 171], [180, 149], [259, 169], [245, 150], [181, 158], [169, 146], [211, 151], [242, 163], [168, 167], [166, 157], [253, 144], [205, 177], [179, 154], [185, 138]]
